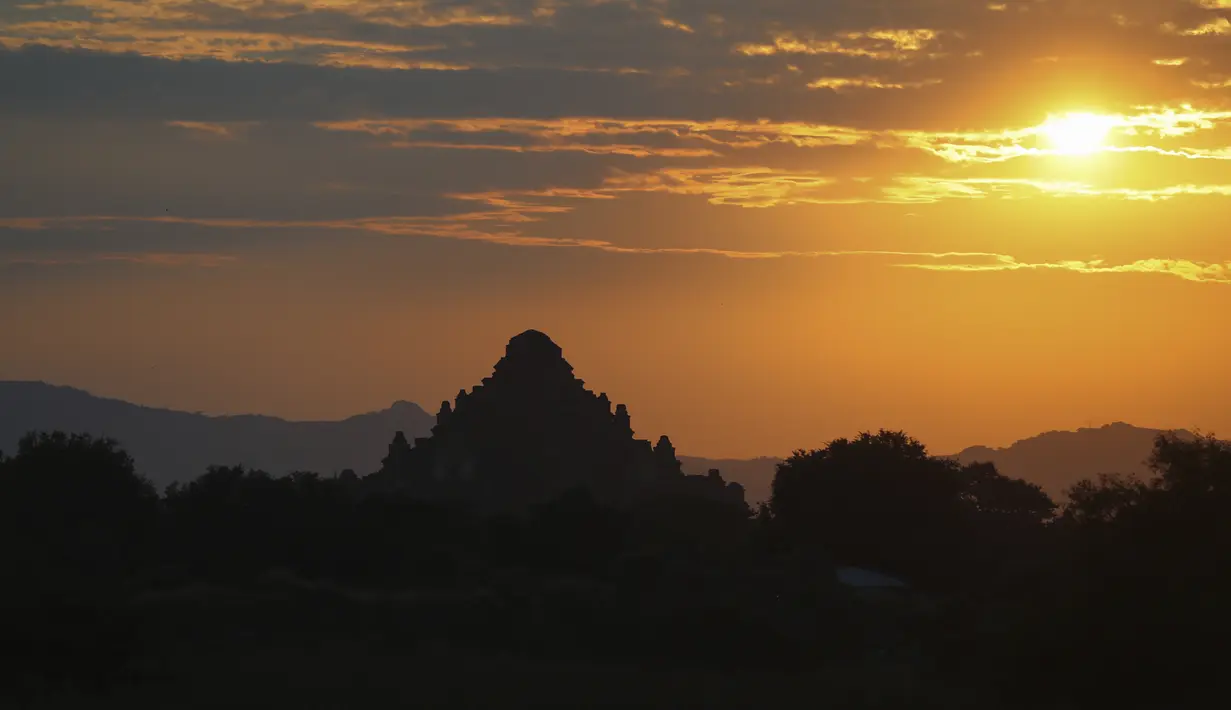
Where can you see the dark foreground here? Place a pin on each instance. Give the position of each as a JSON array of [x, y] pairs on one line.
[[280, 644], [245, 590]]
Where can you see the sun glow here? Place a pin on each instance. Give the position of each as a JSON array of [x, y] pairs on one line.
[[1077, 133]]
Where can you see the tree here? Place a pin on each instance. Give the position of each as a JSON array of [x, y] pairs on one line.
[[233, 521], [1193, 468], [878, 501], [1104, 499], [881, 501], [994, 494], [75, 524], [1191, 482], [1143, 582], [76, 500]]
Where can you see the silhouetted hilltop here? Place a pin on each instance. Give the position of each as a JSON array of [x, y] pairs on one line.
[[755, 475], [177, 446], [172, 446], [1056, 460], [532, 431]]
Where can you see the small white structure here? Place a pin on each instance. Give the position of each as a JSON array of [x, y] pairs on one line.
[[867, 579]]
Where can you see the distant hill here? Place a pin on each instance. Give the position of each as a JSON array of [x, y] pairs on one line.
[[1057, 459], [170, 445], [175, 446], [755, 475]]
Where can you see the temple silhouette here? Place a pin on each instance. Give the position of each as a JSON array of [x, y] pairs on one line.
[[531, 432]]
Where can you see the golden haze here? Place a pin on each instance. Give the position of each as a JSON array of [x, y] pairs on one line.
[[970, 221]]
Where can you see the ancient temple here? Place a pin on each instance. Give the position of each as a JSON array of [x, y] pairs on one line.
[[531, 431]]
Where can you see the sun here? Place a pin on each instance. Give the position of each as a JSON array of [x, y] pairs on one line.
[[1077, 133]]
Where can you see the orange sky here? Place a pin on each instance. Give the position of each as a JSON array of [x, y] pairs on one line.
[[761, 225]]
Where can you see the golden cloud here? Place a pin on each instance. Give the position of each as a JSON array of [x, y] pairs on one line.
[[396, 13], [936, 189], [744, 187], [227, 45], [867, 82], [1217, 83], [164, 259], [968, 262], [226, 131], [564, 133], [1151, 129], [675, 25], [1218, 26], [1151, 122], [882, 44], [1195, 271], [636, 151]]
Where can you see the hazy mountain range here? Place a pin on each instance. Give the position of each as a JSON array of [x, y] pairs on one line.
[[1054, 460], [1058, 459], [173, 446]]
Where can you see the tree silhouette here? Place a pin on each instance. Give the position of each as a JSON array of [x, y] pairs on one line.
[[881, 501], [1139, 583], [1102, 500], [77, 522], [1132, 574], [1011, 500], [78, 501]]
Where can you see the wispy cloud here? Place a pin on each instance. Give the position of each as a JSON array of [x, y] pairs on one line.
[[1217, 26], [227, 131], [948, 261], [879, 44], [840, 83], [1149, 123], [714, 134], [156, 259], [1196, 271], [937, 189], [636, 151], [1150, 129], [121, 37], [745, 187]]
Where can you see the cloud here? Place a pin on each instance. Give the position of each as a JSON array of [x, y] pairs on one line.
[[1157, 123], [443, 228], [158, 259], [1129, 132], [952, 261], [636, 151], [599, 135], [924, 189], [880, 44], [1217, 26], [754, 186], [839, 83], [228, 131], [1195, 271], [483, 119], [179, 43], [715, 42]]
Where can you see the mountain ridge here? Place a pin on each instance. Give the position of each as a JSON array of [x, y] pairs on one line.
[[171, 445], [1054, 459], [1057, 459]]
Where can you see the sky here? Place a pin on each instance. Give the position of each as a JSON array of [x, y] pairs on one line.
[[761, 225]]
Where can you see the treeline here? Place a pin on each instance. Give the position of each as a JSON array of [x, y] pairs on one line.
[[1117, 596]]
